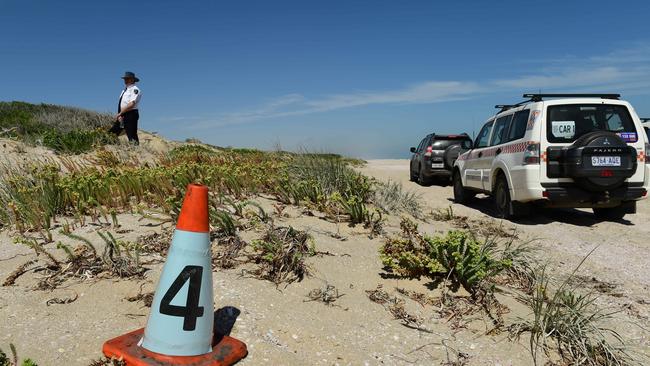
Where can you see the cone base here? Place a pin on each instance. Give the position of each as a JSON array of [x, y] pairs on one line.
[[227, 352]]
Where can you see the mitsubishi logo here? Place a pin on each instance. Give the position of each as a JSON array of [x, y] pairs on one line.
[[606, 142]]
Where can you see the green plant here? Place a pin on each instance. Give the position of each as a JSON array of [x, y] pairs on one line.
[[458, 255], [76, 141], [223, 220], [570, 323], [64, 129], [446, 214], [120, 257], [354, 207], [38, 249], [466, 260], [33, 200]]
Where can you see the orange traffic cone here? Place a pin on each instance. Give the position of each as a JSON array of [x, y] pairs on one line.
[[179, 330]]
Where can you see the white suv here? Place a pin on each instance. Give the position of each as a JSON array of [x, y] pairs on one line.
[[559, 150]]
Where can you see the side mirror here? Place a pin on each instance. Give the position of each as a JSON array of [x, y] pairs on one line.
[[412, 149]]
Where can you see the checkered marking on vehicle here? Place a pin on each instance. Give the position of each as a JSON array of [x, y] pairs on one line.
[[507, 149], [641, 156]]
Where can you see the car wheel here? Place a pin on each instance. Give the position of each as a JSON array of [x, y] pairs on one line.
[[461, 194], [610, 213], [501, 197], [421, 179], [412, 176]]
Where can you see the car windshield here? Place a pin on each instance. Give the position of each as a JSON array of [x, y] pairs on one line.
[[566, 123], [442, 144]]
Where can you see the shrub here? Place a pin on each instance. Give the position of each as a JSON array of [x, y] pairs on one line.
[[196, 153], [457, 255], [64, 129], [467, 260], [76, 141], [330, 174], [33, 199]]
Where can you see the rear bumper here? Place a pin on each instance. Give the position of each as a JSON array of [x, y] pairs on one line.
[[436, 172], [571, 196]]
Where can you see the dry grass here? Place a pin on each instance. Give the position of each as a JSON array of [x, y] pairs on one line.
[[281, 253], [395, 306], [391, 197], [119, 259], [227, 251], [327, 294]]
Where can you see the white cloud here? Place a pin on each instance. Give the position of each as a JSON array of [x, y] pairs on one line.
[[621, 70]]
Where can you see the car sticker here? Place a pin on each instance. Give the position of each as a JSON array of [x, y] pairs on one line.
[[563, 129], [534, 115], [628, 136]]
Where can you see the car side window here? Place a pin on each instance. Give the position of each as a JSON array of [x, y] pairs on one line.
[[484, 135], [421, 146], [518, 125], [500, 130]]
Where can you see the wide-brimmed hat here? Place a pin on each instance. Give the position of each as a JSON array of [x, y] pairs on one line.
[[130, 75]]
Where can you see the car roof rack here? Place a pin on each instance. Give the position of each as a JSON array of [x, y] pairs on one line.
[[505, 107], [537, 97]]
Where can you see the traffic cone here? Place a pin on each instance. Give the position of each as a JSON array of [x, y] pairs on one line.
[[179, 330]]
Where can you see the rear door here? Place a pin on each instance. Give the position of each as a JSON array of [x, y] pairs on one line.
[[416, 159], [473, 172], [499, 137], [565, 121]]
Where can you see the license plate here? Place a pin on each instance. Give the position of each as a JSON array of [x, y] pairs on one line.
[[438, 165], [606, 161]]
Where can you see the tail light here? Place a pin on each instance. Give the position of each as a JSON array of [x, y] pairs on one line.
[[531, 154], [429, 151]]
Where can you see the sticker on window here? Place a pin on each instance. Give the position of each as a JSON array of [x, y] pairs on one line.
[[628, 136], [563, 129]]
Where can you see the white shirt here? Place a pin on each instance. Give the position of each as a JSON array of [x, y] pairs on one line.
[[131, 94]]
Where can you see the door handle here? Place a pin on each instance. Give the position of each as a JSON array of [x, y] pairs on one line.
[[480, 154], [498, 151]]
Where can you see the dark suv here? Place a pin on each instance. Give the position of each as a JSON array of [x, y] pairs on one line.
[[434, 158]]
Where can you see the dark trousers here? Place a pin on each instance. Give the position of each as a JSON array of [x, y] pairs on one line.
[[129, 124]]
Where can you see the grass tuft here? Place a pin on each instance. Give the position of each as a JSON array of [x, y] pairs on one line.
[[281, 254], [570, 323]]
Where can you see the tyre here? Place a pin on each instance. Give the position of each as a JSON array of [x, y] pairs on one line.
[[412, 177], [461, 194], [421, 179], [610, 213], [501, 197]]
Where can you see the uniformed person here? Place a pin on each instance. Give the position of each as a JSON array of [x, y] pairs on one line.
[[127, 109]]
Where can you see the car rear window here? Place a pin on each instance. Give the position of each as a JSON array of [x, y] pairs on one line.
[[566, 123], [441, 143]]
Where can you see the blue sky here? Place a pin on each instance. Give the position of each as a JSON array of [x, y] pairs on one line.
[[362, 78]]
